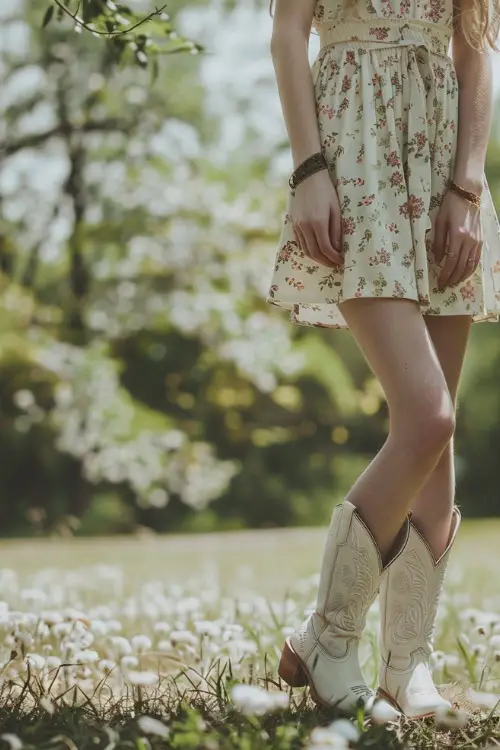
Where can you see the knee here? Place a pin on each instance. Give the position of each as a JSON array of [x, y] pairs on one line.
[[431, 426]]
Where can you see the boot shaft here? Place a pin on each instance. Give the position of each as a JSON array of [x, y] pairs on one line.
[[351, 571], [409, 599]]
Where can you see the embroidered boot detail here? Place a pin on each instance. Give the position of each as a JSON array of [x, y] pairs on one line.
[[409, 598], [324, 650]]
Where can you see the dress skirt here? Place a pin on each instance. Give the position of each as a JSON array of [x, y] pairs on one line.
[[387, 108]]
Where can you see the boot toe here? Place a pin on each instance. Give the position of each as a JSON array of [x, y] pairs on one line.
[[417, 706]]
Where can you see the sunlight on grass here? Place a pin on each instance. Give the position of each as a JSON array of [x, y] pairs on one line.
[[168, 626]]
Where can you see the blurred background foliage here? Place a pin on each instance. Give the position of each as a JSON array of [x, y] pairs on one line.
[[144, 382]]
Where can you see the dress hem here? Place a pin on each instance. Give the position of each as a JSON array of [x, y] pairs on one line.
[[291, 305]]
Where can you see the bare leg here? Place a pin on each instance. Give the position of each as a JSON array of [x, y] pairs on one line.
[[396, 343], [433, 506]]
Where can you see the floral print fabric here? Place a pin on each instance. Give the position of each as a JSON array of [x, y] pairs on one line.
[[387, 106]]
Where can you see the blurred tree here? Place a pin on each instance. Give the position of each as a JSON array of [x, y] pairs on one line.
[[136, 293], [142, 376]]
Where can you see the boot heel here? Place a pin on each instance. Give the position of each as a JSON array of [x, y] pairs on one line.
[[290, 669]]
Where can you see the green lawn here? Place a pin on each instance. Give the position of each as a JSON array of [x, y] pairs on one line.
[[115, 629], [268, 561]]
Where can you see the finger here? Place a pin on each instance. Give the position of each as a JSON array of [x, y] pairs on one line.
[[325, 244], [450, 260], [314, 249], [301, 239], [466, 250], [440, 238], [472, 262], [335, 230]]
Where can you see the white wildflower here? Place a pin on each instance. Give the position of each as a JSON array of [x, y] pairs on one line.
[[208, 627], [14, 742], [323, 738], [142, 678], [183, 637], [162, 627], [35, 661], [47, 704], [141, 643], [484, 700], [129, 662], [345, 728], [107, 665], [53, 662], [121, 645], [148, 725], [451, 718], [86, 656], [256, 701]]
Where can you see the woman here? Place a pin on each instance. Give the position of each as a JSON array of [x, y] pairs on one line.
[[389, 230]]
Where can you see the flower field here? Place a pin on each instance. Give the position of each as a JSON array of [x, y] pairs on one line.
[[174, 642]]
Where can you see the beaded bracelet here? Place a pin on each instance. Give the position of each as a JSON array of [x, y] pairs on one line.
[[308, 167], [473, 198]]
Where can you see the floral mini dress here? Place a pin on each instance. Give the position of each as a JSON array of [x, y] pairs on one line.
[[387, 107]]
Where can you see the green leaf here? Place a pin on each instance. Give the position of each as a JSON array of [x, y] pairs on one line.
[[49, 14]]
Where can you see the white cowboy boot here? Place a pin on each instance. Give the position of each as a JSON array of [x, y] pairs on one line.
[[324, 651], [409, 599]]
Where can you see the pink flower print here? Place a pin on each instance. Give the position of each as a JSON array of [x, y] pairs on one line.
[[361, 153], [412, 208], [287, 250], [399, 290], [439, 74], [382, 258], [467, 290], [392, 227], [359, 181], [350, 57], [272, 290], [396, 178], [343, 106], [421, 139], [392, 159], [379, 32], [296, 284], [348, 225], [367, 200], [327, 109], [346, 84], [376, 79]]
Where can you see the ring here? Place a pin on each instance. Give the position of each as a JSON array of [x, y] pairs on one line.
[[470, 260], [449, 255]]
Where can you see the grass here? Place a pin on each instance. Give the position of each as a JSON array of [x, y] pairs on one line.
[[99, 633]]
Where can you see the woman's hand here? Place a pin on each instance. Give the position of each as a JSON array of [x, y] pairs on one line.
[[458, 239], [317, 221]]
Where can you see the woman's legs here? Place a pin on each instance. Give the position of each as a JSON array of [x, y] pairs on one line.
[[433, 506], [398, 347]]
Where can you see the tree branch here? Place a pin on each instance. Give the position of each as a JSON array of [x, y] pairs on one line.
[[109, 34], [63, 130]]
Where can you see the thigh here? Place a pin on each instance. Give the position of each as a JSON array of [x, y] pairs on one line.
[[398, 347], [450, 335]]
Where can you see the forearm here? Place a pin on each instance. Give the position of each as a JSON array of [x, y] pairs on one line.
[[475, 81], [296, 91]]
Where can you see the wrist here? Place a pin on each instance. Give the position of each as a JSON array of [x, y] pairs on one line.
[[472, 181]]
